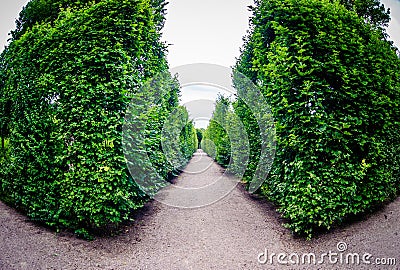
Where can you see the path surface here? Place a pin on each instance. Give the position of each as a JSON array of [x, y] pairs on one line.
[[228, 234]]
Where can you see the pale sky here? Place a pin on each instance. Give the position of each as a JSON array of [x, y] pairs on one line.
[[200, 102], [8, 14], [206, 31], [394, 27]]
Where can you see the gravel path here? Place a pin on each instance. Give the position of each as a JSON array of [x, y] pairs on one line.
[[228, 234]]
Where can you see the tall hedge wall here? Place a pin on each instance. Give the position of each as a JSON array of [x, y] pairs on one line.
[[65, 85], [226, 139], [333, 85], [216, 142]]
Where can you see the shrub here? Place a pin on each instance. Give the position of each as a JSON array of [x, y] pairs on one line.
[[332, 82], [66, 84], [216, 141]]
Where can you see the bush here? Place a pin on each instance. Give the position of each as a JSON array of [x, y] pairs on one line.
[[225, 139], [66, 84], [333, 85], [216, 141]]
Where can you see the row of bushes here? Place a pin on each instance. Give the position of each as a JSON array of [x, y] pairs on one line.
[[66, 82], [332, 82], [226, 139], [215, 141]]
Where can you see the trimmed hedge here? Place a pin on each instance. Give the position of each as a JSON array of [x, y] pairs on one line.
[[216, 142], [66, 84], [333, 85], [225, 139]]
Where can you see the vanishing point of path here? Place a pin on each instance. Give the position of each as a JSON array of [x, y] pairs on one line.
[[228, 234]]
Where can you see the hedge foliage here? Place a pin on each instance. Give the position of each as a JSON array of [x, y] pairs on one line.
[[47, 11], [372, 12], [226, 139], [332, 82], [333, 86], [216, 141], [158, 137], [66, 82]]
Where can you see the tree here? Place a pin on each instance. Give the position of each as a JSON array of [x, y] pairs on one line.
[[332, 82]]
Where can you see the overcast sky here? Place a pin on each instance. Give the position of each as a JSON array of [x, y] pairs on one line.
[[8, 14], [206, 31]]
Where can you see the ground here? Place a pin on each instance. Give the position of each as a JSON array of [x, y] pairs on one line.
[[232, 233]]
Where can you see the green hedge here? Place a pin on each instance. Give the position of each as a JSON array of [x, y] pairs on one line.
[[65, 86], [216, 142], [332, 84], [226, 139]]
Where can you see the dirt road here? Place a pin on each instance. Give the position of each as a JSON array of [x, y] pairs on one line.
[[232, 233]]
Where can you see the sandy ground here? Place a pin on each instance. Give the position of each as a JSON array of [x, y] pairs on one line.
[[233, 233]]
